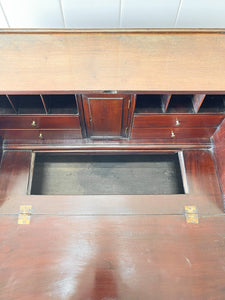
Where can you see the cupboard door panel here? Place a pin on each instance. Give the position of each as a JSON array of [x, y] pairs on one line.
[[106, 116]]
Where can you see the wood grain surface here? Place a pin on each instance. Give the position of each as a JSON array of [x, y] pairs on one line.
[[40, 135], [169, 120], [219, 152], [120, 257], [172, 133], [114, 247], [106, 116], [45, 122], [88, 61], [1, 150]]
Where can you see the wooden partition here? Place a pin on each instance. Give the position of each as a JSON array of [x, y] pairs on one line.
[[1, 150], [219, 152]]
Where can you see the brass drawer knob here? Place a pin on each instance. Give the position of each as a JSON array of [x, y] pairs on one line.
[[40, 136], [172, 134], [33, 124], [177, 122]]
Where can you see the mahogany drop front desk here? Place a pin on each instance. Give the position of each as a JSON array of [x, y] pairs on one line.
[[113, 94]]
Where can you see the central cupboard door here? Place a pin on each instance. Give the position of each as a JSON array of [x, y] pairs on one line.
[[106, 115]]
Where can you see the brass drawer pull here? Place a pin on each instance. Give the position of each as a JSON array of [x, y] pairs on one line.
[[33, 124], [40, 136], [177, 122], [172, 134]]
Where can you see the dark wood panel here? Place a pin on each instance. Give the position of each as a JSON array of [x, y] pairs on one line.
[[219, 152], [14, 174], [197, 101], [178, 120], [35, 121], [120, 257], [39, 135], [106, 115], [201, 175], [172, 133], [113, 146]]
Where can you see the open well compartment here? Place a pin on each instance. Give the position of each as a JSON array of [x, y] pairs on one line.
[[127, 174]]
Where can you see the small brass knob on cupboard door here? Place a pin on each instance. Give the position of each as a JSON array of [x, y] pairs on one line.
[[177, 122], [172, 134], [33, 124], [40, 136]]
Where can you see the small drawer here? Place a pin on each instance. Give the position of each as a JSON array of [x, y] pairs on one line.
[[37, 121], [172, 133], [176, 120], [41, 134]]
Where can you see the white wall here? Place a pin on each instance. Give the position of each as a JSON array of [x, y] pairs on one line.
[[112, 13]]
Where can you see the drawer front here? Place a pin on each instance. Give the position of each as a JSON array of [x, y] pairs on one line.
[[175, 120], [41, 134], [36, 122], [172, 133]]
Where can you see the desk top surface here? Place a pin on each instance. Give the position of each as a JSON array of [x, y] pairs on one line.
[[141, 60]]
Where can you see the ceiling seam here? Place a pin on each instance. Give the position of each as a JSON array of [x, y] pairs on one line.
[[120, 12], [178, 13], [62, 13], [4, 14]]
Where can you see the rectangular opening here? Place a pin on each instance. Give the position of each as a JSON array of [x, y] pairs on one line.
[[5, 106], [60, 104], [70, 174], [181, 104], [213, 104], [150, 103], [28, 104]]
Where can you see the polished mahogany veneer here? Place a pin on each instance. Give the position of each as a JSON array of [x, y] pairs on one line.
[[118, 92]]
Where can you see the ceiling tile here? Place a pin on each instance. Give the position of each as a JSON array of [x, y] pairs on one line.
[[33, 13], [3, 23], [146, 13], [202, 14], [91, 13]]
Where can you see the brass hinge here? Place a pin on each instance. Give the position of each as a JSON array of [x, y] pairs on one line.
[[191, 214], [129, 104], [24, 214]]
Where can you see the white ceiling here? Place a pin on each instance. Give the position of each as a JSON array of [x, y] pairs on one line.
[[112, 13]]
